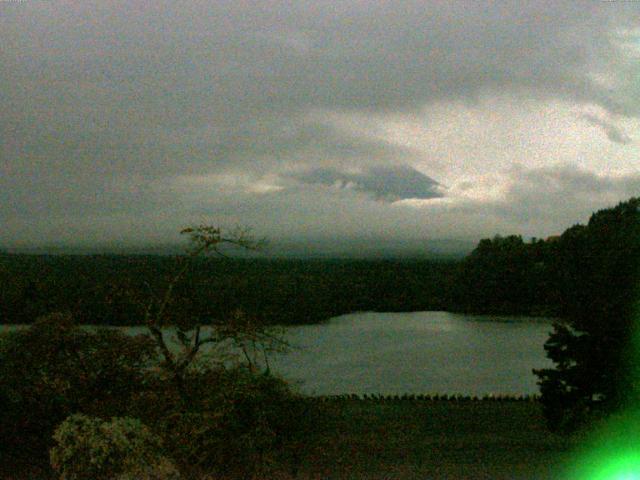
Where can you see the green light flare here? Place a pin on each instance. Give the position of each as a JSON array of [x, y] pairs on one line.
[[624, 467], [630, 476], [612, 450]]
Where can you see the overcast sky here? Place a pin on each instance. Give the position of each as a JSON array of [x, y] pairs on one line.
[[122, 122]]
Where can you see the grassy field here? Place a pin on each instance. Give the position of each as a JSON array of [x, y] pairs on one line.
[[435, 439], [375, 440]]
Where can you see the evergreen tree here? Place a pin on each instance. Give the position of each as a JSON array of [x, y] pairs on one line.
[[596, 272]]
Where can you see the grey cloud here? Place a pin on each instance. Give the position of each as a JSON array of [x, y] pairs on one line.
[[167, 65], [387, 183], [574, 180], [100, 93], [613, 133], [173, 65], [306, 142], [554, 198], [53, 199], [541, 202]]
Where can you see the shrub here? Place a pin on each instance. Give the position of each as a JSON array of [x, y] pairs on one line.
[[123, 448], [55, 368], [241, 423]]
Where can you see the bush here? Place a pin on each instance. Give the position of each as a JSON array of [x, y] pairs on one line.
[[54, 368], [91, 449], [240, 423], [229, 422]]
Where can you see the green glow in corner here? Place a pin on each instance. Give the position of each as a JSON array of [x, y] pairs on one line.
[[612, 451], [620, 468], [630, 476]]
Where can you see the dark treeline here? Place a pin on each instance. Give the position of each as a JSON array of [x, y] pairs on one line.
[[506, 275], [593, 346], [588, 278], [113, 289], [587, 268], [503, 275]]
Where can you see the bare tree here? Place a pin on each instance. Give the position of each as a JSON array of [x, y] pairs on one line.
[[253, 339]]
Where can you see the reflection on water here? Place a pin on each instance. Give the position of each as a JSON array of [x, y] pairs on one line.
[[420, 352]]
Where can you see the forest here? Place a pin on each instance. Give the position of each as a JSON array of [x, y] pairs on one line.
[[108, 289], [503, 275]]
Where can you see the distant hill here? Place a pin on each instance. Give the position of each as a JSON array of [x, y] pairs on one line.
[[355, 248]]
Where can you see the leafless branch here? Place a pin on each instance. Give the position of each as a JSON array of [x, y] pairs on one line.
[[241, 331], [157, 334]]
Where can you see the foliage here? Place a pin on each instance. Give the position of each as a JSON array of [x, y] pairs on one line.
[[239, 420], [220, 419], [88, 448], [113, 289], [587, 278], [596, 364], [506, 275], [166, 310], [55, 368], [212, 417]]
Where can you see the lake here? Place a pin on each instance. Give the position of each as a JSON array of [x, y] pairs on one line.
[[418, 352]]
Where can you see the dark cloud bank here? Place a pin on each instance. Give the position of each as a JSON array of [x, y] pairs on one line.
[[104, 105]]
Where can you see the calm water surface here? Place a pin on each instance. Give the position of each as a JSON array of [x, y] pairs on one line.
[[419, 352]]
